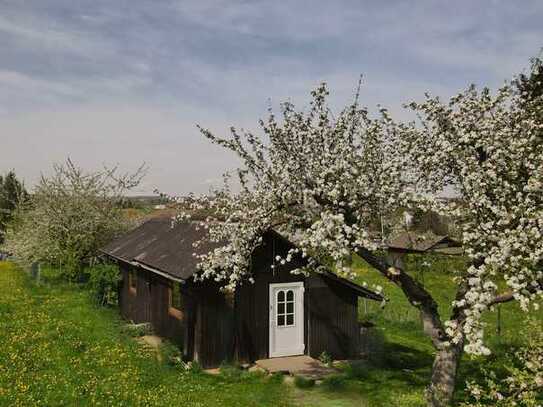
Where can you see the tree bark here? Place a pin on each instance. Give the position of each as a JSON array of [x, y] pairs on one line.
[[444, 371]]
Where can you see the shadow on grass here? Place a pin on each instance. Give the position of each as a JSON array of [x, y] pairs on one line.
[[397, 377]]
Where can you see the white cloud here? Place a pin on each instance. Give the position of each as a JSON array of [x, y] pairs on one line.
[[99, 82]]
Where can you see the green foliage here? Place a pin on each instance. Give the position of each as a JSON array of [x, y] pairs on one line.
[[357, 370], [231, 371], [334, 382], [57, 322], [170, 353], [12, 194], [407, 356], [104, 282], [59, 349], [325, 358], [531, 86], [136, 330], [303, 382], [518, 382]]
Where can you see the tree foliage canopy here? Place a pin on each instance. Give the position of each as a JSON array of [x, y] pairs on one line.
[[12, 193], [325, 181], [70, 216]]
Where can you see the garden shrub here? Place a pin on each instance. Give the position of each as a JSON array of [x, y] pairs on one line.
[[325, 358], [303, 382], [136, 330], [334, 382], [104, 282], [230, 371], [170, 353]]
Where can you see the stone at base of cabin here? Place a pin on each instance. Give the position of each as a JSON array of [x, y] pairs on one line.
[[256, 368], [303, 365], [151, 343], [215, 371], [152, 340]]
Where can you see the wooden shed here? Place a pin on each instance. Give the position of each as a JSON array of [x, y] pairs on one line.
[[280, 314]]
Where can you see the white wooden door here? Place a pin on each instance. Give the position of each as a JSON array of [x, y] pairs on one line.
[[286, 319]]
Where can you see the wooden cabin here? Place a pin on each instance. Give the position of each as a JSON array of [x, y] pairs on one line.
[[280, 314]]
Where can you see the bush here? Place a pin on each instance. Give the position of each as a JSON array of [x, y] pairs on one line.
[[103, 283], [356, 370], [170, 354], [334, 382], [230, 371], [325, 358], [303, 382], [136, 330], [191, 367]]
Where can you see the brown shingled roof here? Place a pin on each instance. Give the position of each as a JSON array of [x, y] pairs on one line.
[[158, 245], [412, 242]]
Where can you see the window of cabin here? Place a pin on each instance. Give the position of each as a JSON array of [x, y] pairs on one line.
[[132, 281], [175, 307]]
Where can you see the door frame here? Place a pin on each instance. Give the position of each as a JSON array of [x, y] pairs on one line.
[[299, 316]]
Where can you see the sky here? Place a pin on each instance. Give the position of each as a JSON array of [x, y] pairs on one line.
[[125, 82]]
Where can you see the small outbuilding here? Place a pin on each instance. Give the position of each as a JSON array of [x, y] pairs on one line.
[[280, 314], [410, 242]]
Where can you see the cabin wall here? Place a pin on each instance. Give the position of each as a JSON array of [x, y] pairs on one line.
[[252, 301], [330, 309], [216, 328], [333, 319], [150, 303], [214, 325]]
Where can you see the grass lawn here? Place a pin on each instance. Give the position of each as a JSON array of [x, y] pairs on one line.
[[57, 348]]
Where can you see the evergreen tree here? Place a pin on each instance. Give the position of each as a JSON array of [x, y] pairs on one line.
[[12, 193]]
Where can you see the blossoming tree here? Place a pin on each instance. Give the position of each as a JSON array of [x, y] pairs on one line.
[[325, 180], [489, 148]]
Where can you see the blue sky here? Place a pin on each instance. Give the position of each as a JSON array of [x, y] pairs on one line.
[[124, 82]]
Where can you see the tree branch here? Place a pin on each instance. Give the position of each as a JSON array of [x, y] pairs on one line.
[[510, 296], [417, 295]]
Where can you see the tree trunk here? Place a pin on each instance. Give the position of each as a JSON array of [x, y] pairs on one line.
[[444, 370], [444, 373]]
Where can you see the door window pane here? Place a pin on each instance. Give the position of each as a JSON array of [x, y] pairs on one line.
[[281, 308], [285, 308], [290, 295], [290, 307], [290, 319]]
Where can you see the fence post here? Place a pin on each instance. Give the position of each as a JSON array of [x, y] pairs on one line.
[[35, 271], [499, 322]]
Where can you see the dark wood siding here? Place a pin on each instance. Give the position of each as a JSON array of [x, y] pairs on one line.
[[252, 301], [150, 304], [330, 309], [132, 304], [333, 319], [214, 326], [212, 332]]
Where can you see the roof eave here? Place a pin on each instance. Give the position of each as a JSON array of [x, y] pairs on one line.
[[145, 267]]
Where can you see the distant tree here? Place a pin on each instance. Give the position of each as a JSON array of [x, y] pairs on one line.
[[70, 216], [530, 86], [12, 194]]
